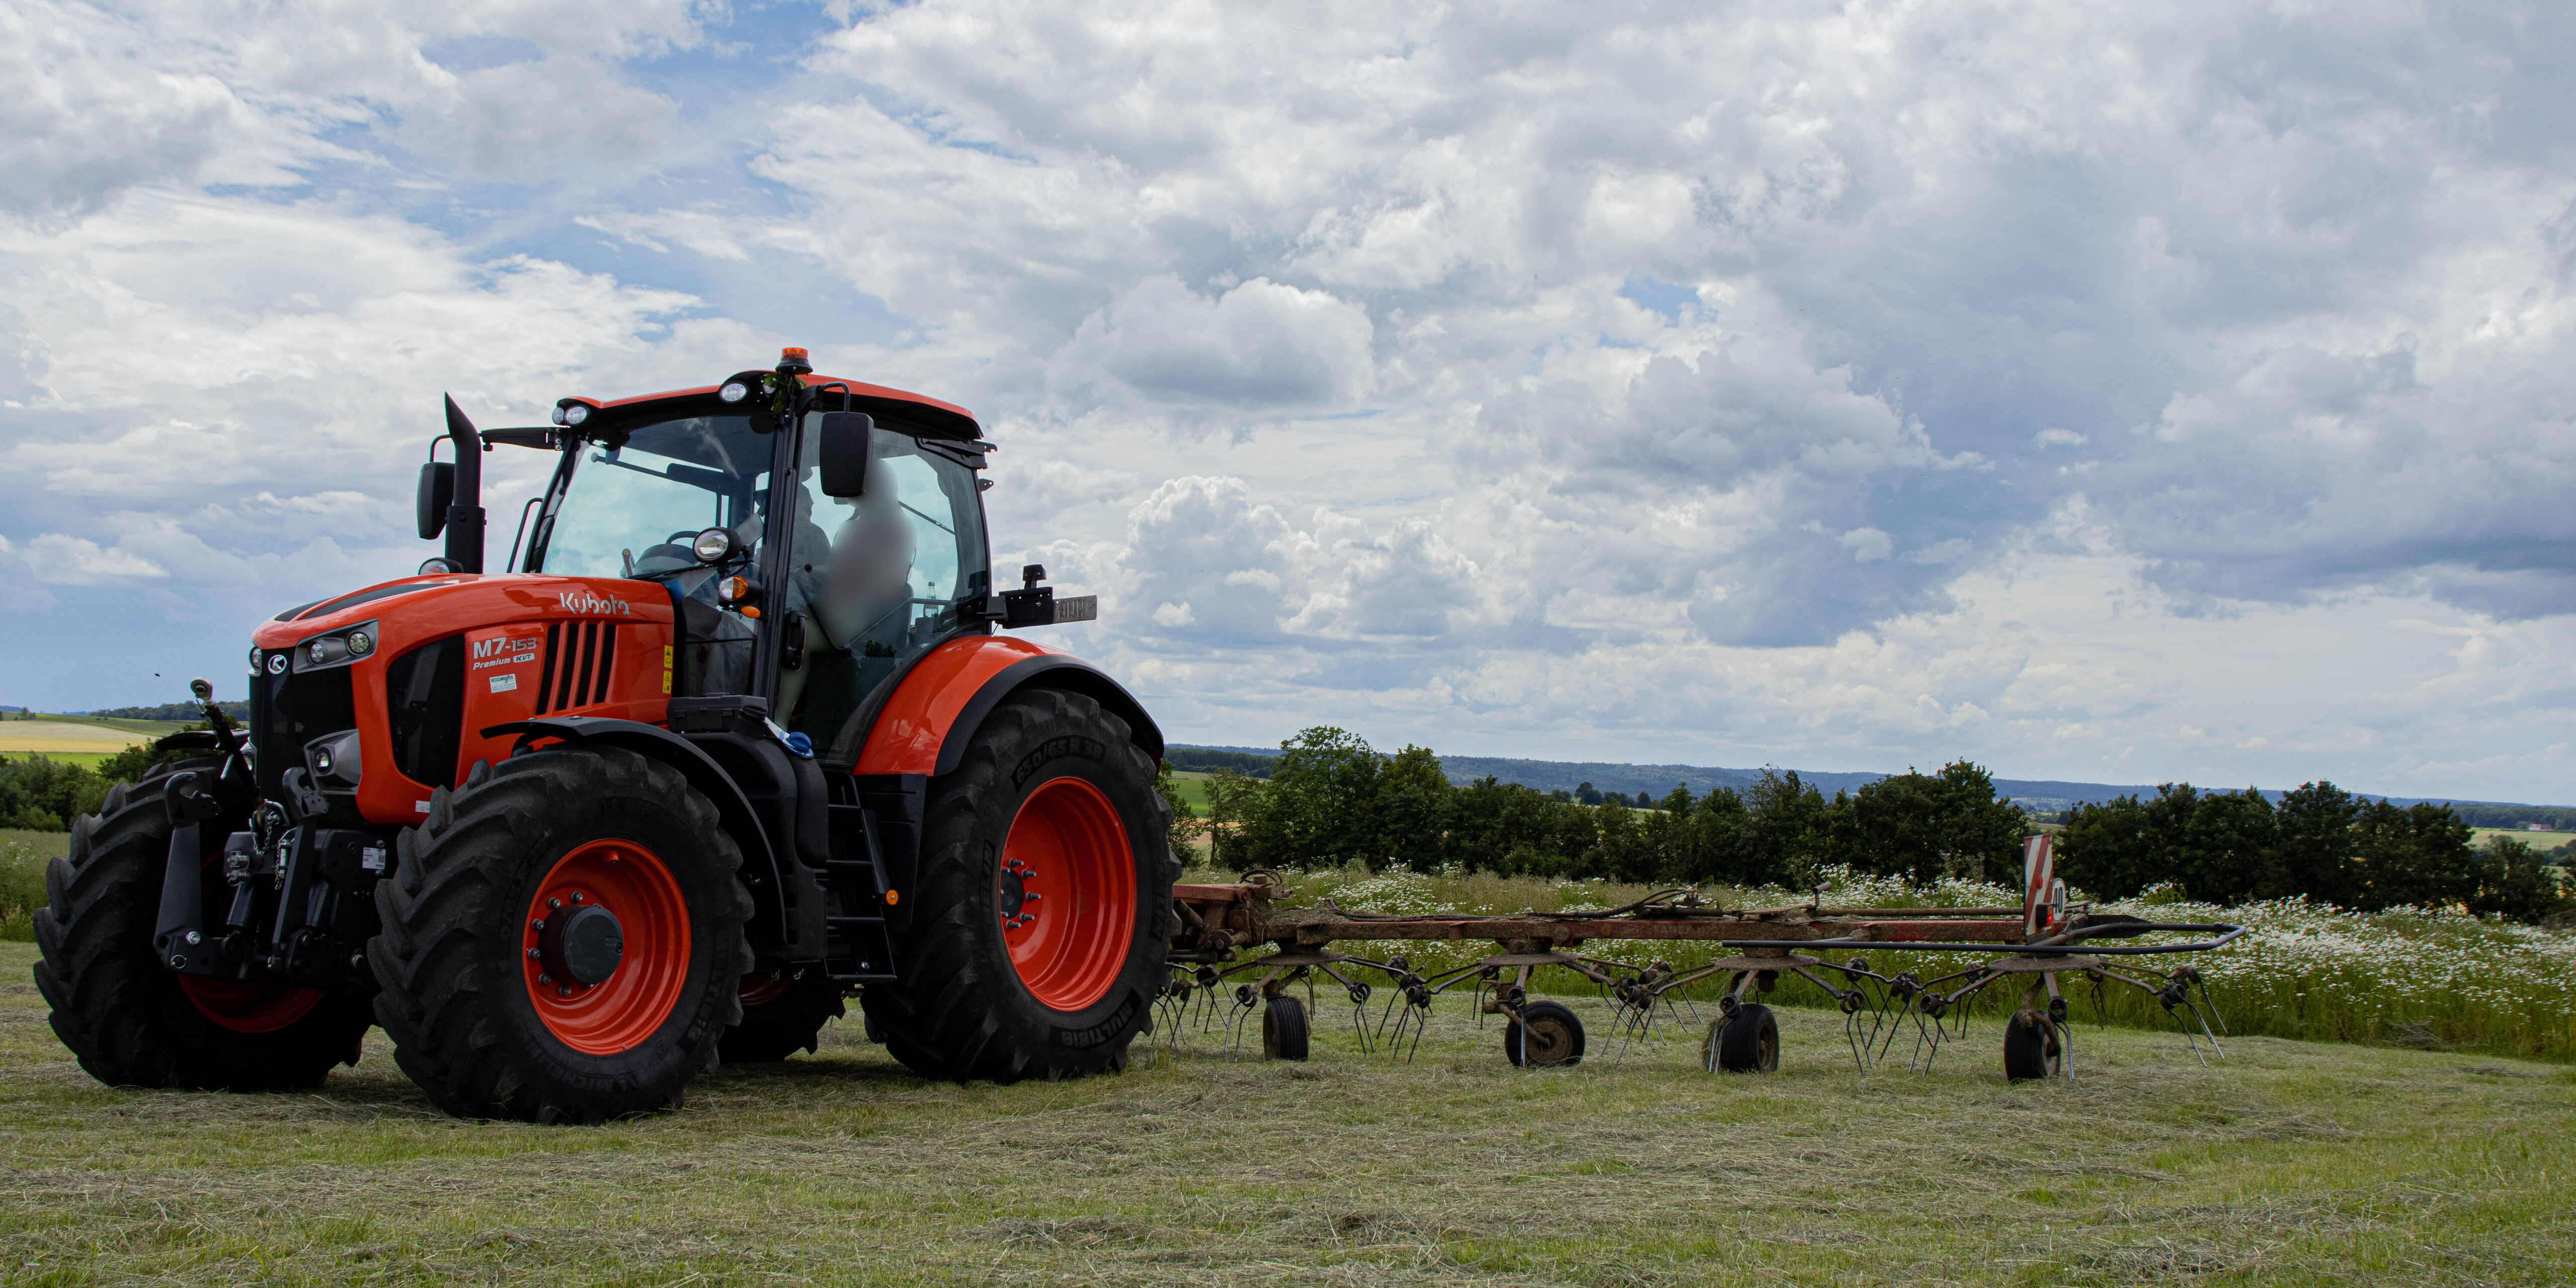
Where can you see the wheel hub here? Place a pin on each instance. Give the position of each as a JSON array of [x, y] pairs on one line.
[[583, 945], [1012, 895]]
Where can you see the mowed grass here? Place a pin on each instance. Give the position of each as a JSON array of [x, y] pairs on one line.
[[2287, 1163]]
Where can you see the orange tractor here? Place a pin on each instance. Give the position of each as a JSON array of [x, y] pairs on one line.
[[730, 737]]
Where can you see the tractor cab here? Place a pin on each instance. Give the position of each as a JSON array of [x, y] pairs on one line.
[[730, 734]]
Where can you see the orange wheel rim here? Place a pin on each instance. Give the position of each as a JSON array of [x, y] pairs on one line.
[[1065, 893], [249, 1006], [761, 990], [591, 1010]]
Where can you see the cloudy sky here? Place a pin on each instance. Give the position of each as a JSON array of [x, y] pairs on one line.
[[2113, 392]]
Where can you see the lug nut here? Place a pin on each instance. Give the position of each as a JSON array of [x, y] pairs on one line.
[[554, 903], [195, 939], [563, 990], [536, 952], [544, 978], [538, 924], [576, 896]]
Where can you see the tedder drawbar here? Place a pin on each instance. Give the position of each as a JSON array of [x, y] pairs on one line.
[[729, 736]]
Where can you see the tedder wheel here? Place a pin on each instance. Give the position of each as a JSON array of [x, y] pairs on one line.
[[2031, 1051], [1546, 1033], [781, 1015], [1747, 1043], [1044, 903], [132, 1021], [563, 939], [1283, 1029]]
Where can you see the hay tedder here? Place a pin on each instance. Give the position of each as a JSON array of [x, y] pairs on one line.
[[731, 735], [1218, 985]]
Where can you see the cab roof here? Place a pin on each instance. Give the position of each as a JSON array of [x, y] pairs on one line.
[[897, 409]]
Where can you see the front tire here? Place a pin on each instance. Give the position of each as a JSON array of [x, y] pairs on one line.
[[128, 1018], [563, 939], [1044, 903]]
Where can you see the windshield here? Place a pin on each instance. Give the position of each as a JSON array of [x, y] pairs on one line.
[[869, 581], [630, 510]]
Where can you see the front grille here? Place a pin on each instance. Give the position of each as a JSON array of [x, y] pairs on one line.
[[292, 708], [425, 704], [577, 661]]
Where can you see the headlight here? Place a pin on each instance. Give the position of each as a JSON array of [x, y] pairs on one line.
[[712, 545], [339, 648], [336, 759], [734, 391], [559, 416], [576, 414], [436, 567], [254, 659]]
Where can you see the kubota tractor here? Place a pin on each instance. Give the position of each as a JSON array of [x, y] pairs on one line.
[[731, 736]]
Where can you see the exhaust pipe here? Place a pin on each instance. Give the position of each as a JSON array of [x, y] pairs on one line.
[[465, 511]]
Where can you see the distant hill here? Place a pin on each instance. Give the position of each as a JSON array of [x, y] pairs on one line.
[[2046, 796]]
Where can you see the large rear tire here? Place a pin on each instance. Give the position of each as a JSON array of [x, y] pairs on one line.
[[1044, 903], [129, 1019], [563, 939]]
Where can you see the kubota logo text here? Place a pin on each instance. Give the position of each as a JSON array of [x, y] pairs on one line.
[[583, 601]]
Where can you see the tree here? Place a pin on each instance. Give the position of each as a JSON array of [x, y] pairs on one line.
[[2418, 855], [2313, 846], [1924, 827], [2112, 850], [1184, 824], [2514, 883], [1585, 795], [1233, 800], [1321, 806], [2225, 846], [1782, 832], [44, 795], [1415, 802]]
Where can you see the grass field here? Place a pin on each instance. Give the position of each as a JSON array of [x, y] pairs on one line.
[[1193, 790], [2287, 1163], [2537, 840]]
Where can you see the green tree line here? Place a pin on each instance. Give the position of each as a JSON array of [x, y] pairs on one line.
[[2319, 841], [1331, 799], [41, 794]]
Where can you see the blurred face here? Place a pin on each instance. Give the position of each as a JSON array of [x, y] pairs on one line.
[[871, 565]]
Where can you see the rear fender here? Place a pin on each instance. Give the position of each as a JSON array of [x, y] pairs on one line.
[[930, 719], [760, 859]]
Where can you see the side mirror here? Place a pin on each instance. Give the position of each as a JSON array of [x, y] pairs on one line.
[[845, 452], [437, 492]]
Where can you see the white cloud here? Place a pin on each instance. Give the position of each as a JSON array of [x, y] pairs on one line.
[[62, 560], [1798, 382]]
